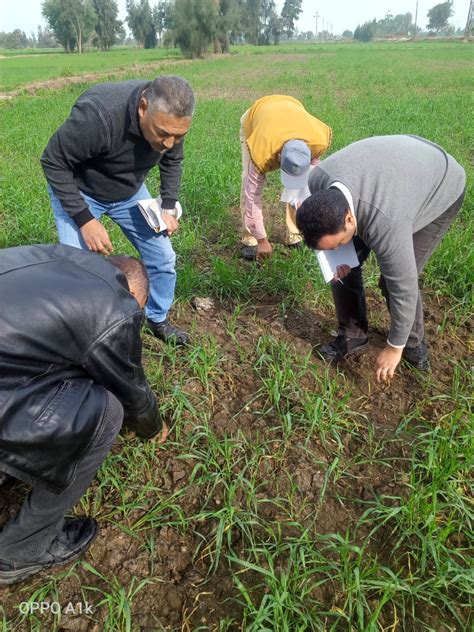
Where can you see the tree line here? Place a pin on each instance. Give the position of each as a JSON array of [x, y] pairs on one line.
[[195, 25], [403, 25]]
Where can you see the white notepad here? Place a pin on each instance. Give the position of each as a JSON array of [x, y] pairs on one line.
[[329, 259], [151, 211]]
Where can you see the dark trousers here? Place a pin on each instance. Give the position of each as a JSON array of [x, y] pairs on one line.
[[29, 534], [349, 298]]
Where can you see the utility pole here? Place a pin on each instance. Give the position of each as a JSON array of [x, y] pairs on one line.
[[316, 29], [468, 29], [416, 17]]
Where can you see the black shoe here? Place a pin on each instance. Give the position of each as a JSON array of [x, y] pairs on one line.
[[169, 333], [249, 253], [74, 538], [418, 357], [342, 347]]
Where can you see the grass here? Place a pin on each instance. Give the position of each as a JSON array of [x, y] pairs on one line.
[[17, 70], [295, 496]]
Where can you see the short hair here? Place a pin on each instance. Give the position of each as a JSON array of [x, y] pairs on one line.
[[323, 213], [134, 271], [170, 94]]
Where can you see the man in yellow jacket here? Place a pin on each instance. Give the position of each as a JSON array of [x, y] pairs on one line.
[[276, 132]]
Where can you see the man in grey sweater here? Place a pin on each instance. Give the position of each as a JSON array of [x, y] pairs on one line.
[[96, 164], [397, 196]]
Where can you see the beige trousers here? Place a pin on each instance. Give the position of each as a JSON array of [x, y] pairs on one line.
[[292, 236]]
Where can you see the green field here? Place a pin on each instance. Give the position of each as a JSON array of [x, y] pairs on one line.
[[17, 70], [291, 496]]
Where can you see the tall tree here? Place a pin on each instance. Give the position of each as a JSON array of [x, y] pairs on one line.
[[365, 32], [163, 16], [438, 16], [81, 16], [60, 24], [251, 20], [270, 23], [289, 15], [194, 26], [141, 23], [107, 26]]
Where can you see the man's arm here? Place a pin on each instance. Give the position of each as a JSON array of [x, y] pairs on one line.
[[114, 362], [171, 166], [396, 258], [82, 136]]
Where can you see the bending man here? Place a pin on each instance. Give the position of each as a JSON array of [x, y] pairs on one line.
[[96, 164], [397, 196], [276, 132], [70, 373]]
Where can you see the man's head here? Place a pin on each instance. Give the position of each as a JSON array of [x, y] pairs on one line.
[[136, 275], [165, 110], [325, 220]]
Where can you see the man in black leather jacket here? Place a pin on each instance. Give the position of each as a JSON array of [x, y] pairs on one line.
[[70, 373]]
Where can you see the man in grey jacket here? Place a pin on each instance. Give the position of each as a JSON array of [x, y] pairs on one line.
[[397, 196], [96, 164]]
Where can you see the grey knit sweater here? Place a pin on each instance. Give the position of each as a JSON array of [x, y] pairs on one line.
[[100, 150], [399, 185]]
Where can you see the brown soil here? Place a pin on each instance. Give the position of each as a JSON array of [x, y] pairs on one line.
[[185, 597]]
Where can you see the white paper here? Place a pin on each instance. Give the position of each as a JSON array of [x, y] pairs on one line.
[[329, 259], [151, 211]]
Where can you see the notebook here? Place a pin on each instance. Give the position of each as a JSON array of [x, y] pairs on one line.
[[151, 211], [329, 259]]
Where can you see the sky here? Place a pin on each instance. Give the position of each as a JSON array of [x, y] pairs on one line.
[[338, 14]]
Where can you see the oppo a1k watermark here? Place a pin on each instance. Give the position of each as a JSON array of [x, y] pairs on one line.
[[54, 607]]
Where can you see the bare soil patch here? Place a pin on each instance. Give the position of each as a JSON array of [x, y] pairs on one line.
[[186, 596]]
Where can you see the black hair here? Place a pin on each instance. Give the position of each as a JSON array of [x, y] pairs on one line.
[[170, 94], [323, 213], [134, 271]]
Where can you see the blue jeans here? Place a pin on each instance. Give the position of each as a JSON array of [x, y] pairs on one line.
[[155, 248]]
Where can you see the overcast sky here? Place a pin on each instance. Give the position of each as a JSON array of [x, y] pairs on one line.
[[341, 14]]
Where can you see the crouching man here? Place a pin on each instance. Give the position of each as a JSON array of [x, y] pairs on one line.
[[70, 373], [397, 196]]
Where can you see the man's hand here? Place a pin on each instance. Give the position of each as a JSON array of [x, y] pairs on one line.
[[264, 248], [387, 362], [341, 272], [161, 436], [96, 237], [171, 222]]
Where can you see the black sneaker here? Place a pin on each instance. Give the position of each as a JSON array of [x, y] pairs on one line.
[[168, 333], [75, 538], [342, 347], [249, 253], [418, 357]]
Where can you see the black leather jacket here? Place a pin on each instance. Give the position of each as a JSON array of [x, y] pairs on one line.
[[69, 331]]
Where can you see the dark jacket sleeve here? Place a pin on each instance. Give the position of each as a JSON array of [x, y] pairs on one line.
[[114, 362], [82, 136], [170, 175]]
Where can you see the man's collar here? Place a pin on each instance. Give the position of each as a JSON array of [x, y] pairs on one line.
[[133, 101], [348, 195]]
